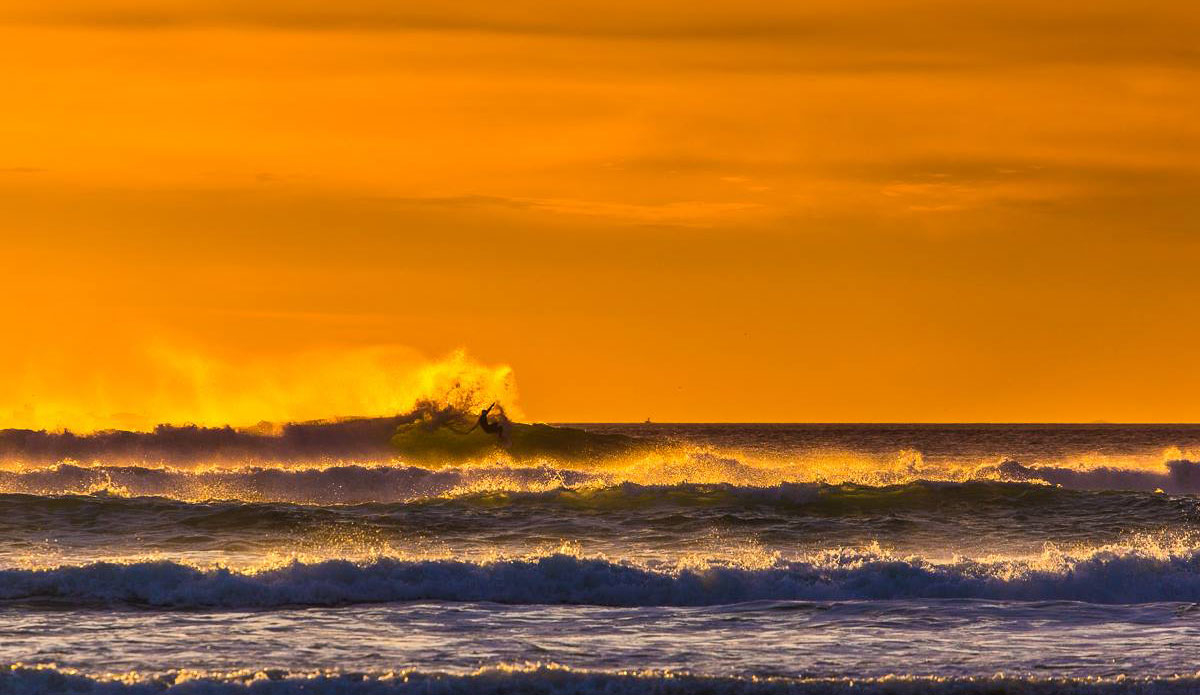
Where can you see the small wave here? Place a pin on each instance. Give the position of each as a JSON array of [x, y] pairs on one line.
[[1177, 475], [820, 498], [68, 490], [1112, 575], [312, 503], [539, 679], [649, 482]]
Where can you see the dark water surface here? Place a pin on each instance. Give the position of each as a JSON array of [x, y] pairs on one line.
[[899, 558]]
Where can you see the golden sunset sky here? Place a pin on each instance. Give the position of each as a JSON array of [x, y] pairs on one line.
[[850, 210]]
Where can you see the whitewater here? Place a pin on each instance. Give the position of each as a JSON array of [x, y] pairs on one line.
[[386, 555]]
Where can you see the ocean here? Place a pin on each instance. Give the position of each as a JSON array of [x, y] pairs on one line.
[[603, 558]]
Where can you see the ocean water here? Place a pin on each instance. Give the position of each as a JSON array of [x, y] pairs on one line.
[[619, 558]]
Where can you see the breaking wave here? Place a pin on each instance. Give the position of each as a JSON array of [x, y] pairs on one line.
[[1107, 575], [352, 484], [1177, 475], [552, 679], [679, 478]]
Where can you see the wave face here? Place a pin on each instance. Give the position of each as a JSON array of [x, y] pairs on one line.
[[1108, 576], [557, 680], [623, 521]]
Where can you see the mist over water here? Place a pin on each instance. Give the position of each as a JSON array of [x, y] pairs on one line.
[[909, 558]]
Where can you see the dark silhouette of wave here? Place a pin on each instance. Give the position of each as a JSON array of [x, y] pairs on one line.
[[429, 433]]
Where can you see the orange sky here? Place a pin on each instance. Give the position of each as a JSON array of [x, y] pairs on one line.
[[852, 210]]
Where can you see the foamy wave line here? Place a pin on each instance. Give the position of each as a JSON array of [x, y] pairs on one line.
[[1112, 576], [357, 484], [538, 679], [348, 484]]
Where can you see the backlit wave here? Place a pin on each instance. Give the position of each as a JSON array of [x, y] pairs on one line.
[[510, 481], [1142, 572]]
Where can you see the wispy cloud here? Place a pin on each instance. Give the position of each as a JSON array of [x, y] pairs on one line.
[[1008, 32]]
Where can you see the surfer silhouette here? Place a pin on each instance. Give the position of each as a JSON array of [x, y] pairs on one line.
[[501, 427], [483, 421]]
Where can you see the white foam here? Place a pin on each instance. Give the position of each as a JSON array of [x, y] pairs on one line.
[[1105, 575]]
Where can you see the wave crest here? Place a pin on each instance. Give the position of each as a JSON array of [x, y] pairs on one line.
[[689, 478], [1112, 575]]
